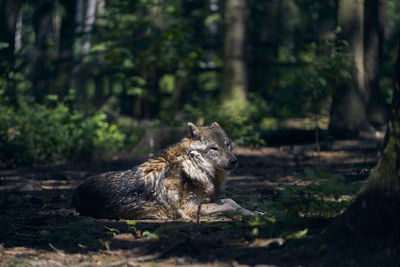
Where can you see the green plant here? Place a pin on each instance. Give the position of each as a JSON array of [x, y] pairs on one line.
[[131, 225], [238, 125], [304, 87], [82, 246], [81, 231], [297, 235], [111, 231], [36, 133], [318, 194], [18, 263], [150, 235], [263, 222]]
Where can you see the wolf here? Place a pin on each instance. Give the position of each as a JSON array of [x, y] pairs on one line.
[[182, 182]]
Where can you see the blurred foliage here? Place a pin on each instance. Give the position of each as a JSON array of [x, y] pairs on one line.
[[160, 62], [306, 89], [239, 125], [36, 133]]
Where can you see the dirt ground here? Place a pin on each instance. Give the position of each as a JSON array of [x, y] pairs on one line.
[[39, 228]]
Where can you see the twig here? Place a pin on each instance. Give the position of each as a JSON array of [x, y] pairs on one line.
[[317, 139], [116, 263], [160, 254], [198, 214], [56, 250], [149, 257], [27, 226]]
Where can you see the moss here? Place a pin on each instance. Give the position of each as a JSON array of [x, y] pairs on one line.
[[385, 177]]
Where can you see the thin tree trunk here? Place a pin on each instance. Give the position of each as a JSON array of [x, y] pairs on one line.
[[9, 12], [264, 29], [18, 32], [374, 30], [100, 80], [234, 88], [43, 51], [84, 20], [89, 21], [79, 19], [348, 111], [66, 49]]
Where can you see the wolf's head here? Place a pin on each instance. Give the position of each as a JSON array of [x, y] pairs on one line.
[[212, 144]]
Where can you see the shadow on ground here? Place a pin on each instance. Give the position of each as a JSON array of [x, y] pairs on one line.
[[38, 226]]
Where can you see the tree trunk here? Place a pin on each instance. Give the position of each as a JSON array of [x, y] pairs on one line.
[[386, 175], [264, 35], [374, 29], [78, 22], [43, 20], [376, 211], [89, 21], [18, 32], [66, 49], [9, 12], [234, 88], [348, 111], [100, 80]]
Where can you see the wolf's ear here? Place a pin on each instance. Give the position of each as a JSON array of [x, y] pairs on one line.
[[215, 125], [194, 131]]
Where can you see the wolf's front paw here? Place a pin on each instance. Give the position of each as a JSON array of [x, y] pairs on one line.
[[245, 212], [183, 215]]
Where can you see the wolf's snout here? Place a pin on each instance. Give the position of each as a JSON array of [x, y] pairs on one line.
[[233, 163]]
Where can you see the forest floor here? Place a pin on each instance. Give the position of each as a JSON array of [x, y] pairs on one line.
[[39, 228]]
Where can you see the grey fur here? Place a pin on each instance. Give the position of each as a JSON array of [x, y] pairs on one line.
[[169, 186]]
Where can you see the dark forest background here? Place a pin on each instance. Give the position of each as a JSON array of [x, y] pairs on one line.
[[87, 77]]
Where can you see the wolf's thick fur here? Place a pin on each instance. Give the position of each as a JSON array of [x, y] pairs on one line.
[[181, 182]]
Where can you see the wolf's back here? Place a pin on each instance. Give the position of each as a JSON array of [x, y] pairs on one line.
[[111, 195], [133, 193]]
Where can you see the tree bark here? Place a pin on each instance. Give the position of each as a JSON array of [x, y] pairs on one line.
[[89, 21], [18, 32], [9, 12], [348, 111], [264, 36], [43, 55], [386, 175], [376, 211], [234, 88], [79, 20], [374, 29], [66, 49]]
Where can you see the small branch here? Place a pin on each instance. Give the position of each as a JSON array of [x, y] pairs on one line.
[[198, 214], [317, 139], [56, 250]]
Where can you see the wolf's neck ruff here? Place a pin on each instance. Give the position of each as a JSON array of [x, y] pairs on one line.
[[201, 170], [194, 164]]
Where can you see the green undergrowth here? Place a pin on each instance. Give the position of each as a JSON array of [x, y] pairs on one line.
[[240, 124], [313, 200], [33, 134]]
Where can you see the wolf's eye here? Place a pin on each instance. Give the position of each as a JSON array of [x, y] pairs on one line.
[[213, 148]]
